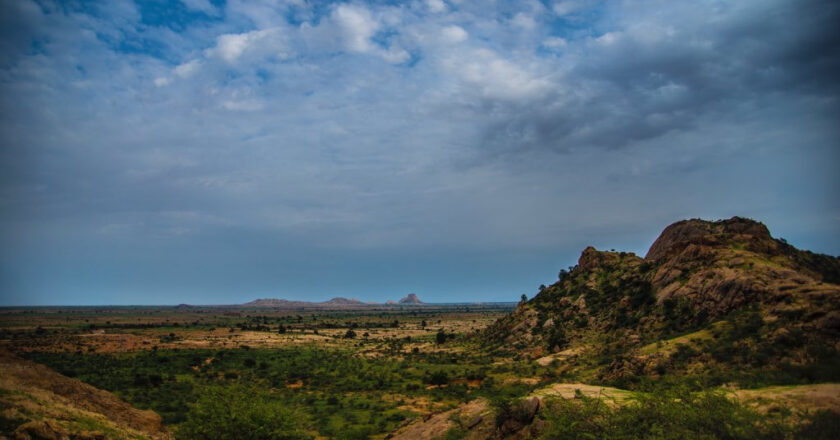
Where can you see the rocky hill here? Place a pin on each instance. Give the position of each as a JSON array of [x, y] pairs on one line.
[[411, 298], [339, 301], [718, 300]]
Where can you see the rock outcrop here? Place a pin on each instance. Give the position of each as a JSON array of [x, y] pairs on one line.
[[748, 290], [411, 298], [749, 233]]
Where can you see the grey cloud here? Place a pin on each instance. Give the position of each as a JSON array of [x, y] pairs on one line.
[[641, 81]]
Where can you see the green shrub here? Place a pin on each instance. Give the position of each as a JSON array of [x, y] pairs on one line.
[[823, 425], [240, 413], [455, 433], [665, 415]]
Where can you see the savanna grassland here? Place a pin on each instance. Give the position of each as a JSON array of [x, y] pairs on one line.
[[390, 372], [340, 373]]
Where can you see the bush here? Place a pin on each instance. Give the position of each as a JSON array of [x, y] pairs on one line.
[[677, 415], [440, 337], [240, 413], [823, 424]]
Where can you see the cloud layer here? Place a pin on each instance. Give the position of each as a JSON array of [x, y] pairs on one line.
[[209, 151]]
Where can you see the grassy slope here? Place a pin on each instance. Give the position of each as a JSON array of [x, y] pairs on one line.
[[37, 400]]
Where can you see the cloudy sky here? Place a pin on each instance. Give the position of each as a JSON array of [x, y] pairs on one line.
[[209, 151]]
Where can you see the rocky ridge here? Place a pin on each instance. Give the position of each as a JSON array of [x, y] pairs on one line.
[[753, 300]]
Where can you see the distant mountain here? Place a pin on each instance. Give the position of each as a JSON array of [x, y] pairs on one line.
[[717, 299], [411, 299], [274, 302], [283, 303], [339, 301]]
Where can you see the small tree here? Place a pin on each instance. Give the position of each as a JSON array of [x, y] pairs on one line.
[[440, 338], [439, 378], [238, 412]]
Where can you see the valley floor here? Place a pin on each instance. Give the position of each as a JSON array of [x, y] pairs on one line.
[[404, 373]]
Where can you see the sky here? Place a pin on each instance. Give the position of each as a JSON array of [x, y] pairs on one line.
[[214, 152]]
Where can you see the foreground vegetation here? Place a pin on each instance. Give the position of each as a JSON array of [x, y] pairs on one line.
[[292, 375], [342, 393], [368, 374], [678, 414]]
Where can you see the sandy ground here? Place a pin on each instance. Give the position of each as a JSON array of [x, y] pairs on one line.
[[808, 397], [572, 390]]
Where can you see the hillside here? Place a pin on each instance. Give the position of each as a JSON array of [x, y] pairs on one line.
[[39, 403], [717, 301]]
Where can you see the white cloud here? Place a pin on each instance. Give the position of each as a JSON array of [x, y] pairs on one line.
[[395, 55], [201, 6], [357, 26], [436, 6], [494, 76], [230, 47], [524, 21], [162, 81], [187, 69], [246, 105], [608, 39], [555, 43], [453, 34], [563, 8]]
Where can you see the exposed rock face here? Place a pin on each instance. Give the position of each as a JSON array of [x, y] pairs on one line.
[[478, 421], [411, 299], [721, 266], [720, 233], [591, 258], [476, 416]]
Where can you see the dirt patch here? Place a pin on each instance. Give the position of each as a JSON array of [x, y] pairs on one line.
[[574, 390], [565, 354], [473, 417], [805, 397]]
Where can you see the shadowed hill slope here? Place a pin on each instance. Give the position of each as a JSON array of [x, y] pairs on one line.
[[39, 403]]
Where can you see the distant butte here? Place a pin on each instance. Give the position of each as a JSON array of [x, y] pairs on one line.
[[411, 299]]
